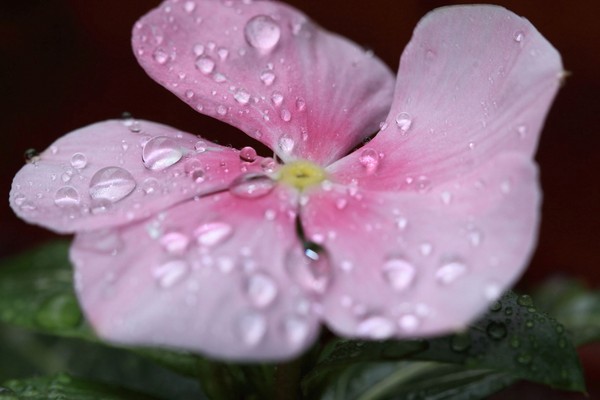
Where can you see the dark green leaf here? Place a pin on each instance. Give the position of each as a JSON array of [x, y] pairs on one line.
[[513, 340], [571, 303], [64, 387]]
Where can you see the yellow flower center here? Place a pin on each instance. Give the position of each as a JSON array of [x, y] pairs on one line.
[[301, 174]]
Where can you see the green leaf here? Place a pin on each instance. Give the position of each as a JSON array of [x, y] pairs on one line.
[[513, 340], [574, 305], [37, 292], [64, 386]]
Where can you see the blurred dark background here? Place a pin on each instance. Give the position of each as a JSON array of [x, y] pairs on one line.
[[67, 63]]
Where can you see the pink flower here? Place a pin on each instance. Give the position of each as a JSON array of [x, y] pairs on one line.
[[188, 244]]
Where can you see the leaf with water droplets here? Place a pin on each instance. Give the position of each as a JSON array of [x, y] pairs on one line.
[[520, 344]]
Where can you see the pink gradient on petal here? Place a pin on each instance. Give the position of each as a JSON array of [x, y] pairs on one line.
[[474, 81], [422, 264], [112, 173], [222, 291], [268, 70]]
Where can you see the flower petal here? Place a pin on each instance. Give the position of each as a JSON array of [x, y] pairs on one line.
[[268, 70], [413, 264], [116, 172], [207, 275], [473, 82]]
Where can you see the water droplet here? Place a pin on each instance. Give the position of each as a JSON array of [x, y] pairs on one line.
[[198, 49], [525, 300], [524, 358], [425, 249], [262, 32], [268, 164], [518, 36], [111, 184], [286, 144], [522, 131], [221, 110], [285, 115], [423, 184], [161, 152], [310, 268], [223, 53], [398, 273], [267, 77], [341, 203], [242, 96], [376, 327], [496, 330], [213, 233], [78, 160], [460, 342], [446, 197], [475, 237], [300, 104], [189, 6], [252, 185], [150, 185], [31, 156], [403, 121], [174, 242], [205, 64], [66, 196], [160, 56], [200, 146], [261, 289], [252, 328], [409, 322], [450, 271], [248, 154], [369, 159], [277, 98], [296, 329], [189, 94], [170, 273], [496, 306]]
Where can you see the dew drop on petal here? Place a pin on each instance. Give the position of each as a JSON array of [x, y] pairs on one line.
[[213, 233], [268, 164], [248, 154], [242, 96], [296, 329], [369, 159], [252, 186], [200, 146], [111, 184], [376, 327], [205, 64], [66, 196], [277, 98], [252, 328], [518, 36], [261, 289], [78, 160], [262, 32], [174, 242], [189, 6], [409, 323], [450, 271], [300, 104], [267, 77], [286, 144], [398, 273], [160, 56], [403, 121], [161, 152], [310, 268], [170, 273], [285, 115]]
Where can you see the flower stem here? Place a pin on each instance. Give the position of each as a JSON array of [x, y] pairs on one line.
[[287, 380]]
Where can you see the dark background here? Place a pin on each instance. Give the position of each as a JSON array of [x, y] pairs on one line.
[[67, 63]]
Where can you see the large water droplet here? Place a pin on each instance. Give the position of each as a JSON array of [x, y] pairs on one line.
[[403, 121], [161, 152], [111, 184], [267, 77], [409, 322], [376, 327], [296, 329], [175, 242], [261, 289], [518, 36], [242, 96], [496, 330], [66, 196], [398, 273], [369, 159], [450, 271], [170, 273], [160, 56], [252, 186], [286, 144], [525, 300], [78, 160], [262, 32], [248, 154], [252, 328], [205, 64], [31, 156], [277, 98], [213, 233], [310, 268]]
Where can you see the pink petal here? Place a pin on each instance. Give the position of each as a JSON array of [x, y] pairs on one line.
[[206, 275], [412, 265], [109, 174], [473, 82], [268, 70]]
